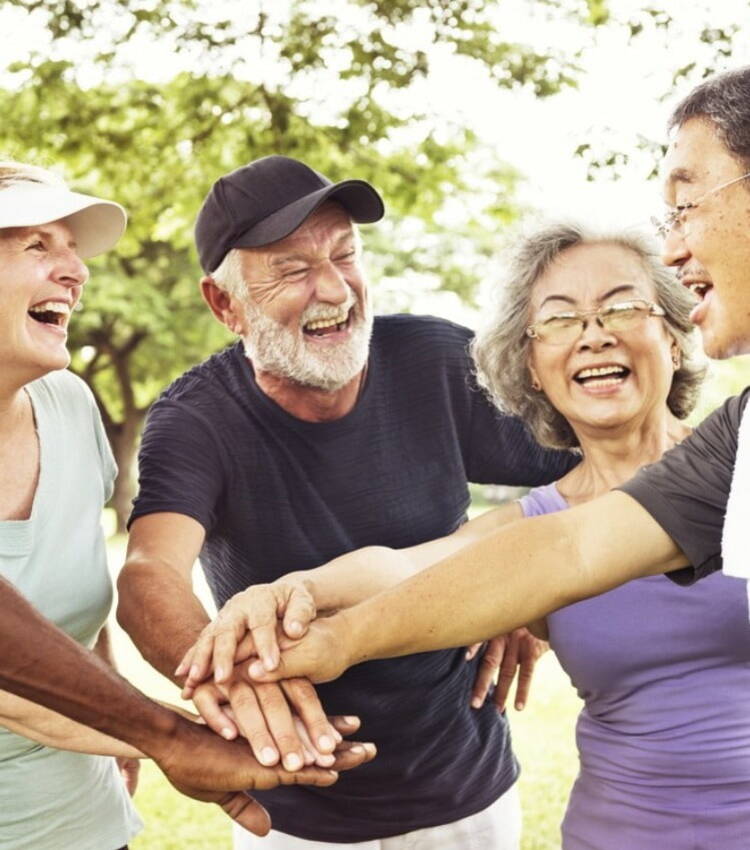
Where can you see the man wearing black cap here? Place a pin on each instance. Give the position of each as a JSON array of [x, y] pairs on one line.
[[324, 430]]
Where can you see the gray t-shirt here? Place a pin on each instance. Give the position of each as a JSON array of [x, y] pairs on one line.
[[51, 799], [686, 492]]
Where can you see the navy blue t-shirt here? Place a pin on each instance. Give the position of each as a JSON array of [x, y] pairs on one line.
[[276, 494]]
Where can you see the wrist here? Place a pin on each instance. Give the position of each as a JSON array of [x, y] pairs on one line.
[[349, 637], [158, 734]]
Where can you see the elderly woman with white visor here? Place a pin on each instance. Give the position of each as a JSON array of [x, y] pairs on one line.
[[56, 472]]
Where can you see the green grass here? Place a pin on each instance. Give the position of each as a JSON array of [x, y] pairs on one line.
[[542, 738]]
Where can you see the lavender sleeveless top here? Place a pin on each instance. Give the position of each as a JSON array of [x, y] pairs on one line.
[[664, 736]]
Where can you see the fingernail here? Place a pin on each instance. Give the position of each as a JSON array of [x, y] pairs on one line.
[[350, 720], [338, 737], [356, 748], [194, 671], [324, 760], [227, 733], [256, 669], [219, 674], [295, 628], [269, 662], [268, 755], [325, 742], [476, 702], [520, 706], [180, 667], [292, 761]]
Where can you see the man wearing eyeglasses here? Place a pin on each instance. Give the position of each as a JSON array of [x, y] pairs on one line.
[[692, 507]]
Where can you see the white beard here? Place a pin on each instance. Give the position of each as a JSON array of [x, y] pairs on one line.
[[286, 353]]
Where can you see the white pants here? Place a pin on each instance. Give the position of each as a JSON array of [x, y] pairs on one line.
[[498, 827]]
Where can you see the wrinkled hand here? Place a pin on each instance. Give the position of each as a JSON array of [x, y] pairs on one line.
[[204, 767], [129, 770], [280, 721], [503, 657], [247, 625], [321, 655]]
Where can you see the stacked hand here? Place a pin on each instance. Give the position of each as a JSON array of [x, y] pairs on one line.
[[281, 721]]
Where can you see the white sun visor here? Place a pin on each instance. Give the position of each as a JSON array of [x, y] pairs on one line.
[[96, 224]]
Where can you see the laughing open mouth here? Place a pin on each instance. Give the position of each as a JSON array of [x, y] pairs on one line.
[[50, 313], [322, 326], [601, 376], [700, 289]]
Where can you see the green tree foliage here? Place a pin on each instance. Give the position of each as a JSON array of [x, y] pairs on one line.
[[322, 81]]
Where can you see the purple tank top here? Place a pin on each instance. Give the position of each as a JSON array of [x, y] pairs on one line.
[[664, 736]]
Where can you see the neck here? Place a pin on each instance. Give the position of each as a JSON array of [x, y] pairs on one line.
[[13, 406], [309, 403], [613, 456]]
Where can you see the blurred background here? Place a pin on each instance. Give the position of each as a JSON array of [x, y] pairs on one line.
[[472, 118]]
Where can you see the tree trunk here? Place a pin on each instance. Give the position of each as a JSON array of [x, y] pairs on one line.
[[123, 437]]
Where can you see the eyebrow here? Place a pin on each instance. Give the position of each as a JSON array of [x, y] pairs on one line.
[[680, 175], [284, 259], [21, 234], [616, 290]]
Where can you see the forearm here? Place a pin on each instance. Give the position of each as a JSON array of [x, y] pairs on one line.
[[51, 729], [511, 577], [356, 576], [353, 577], [160, 612], [43, 664]]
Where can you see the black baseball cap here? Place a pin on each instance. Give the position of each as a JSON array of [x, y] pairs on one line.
[[267, 200]]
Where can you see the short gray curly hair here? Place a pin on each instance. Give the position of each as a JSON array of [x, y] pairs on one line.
[[501, 349]]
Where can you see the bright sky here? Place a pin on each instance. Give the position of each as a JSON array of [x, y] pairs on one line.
[[619, 97]]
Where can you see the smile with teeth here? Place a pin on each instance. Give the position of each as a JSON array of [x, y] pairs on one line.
[[602, 376], [327, 324], [699, 289], [50, 313]]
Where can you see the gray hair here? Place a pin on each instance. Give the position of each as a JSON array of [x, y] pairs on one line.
[[501, 350], [724, 100], [229, 275]]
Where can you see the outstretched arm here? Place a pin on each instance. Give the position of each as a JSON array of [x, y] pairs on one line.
[[41, 663], [514, 575], [248, 622]]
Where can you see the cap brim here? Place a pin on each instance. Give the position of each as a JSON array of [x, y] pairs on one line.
[[357, 197], [96, 224]]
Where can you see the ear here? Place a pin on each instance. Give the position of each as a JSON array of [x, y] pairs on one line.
[[224, 306], [676, 354], [536, 384]]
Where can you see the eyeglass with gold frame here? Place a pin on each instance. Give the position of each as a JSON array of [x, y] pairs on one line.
[[562, 328]]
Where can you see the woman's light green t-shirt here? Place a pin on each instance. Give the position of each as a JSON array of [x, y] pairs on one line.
[[51, 799]]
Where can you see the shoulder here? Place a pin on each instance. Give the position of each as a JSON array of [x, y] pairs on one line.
[[421, 339], [204, 377], [64, 391], [405, 326]]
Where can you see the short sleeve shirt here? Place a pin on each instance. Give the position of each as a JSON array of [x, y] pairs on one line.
[[276, 494], [687, 491]]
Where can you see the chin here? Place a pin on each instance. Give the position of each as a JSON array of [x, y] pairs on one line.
[[722, 346]]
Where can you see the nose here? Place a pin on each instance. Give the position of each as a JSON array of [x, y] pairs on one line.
[[330, 285], [674, 251], [595, 337], [69, 269]]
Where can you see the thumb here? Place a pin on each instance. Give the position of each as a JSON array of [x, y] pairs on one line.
[[246, 811]]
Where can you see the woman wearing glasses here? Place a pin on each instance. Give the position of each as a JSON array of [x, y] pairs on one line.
[[605, 366], [591, 347]]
